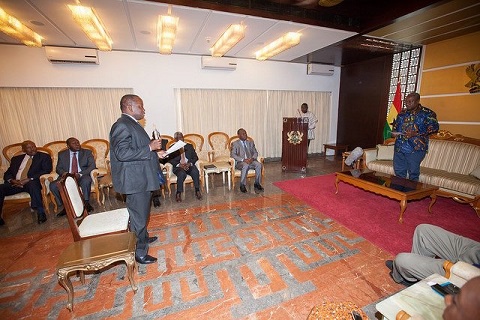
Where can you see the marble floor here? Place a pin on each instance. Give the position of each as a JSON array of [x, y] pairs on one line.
[[229, 255]]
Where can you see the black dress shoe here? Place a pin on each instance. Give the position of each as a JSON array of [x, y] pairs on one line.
[[178, 197], [258, 187], [403, 282], [62, 213], [88, 207], [41, 217], [389, 264], [243, 188], [152, 239], [156, 202], [145, 260], [2, 222], [198, 195]]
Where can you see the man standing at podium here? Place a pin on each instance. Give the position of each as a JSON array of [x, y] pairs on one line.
[[312, 122]]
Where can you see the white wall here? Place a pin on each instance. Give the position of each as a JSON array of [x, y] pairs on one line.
[[154, 77]]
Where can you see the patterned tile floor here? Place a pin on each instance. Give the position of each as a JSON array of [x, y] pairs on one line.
[[228, 256]]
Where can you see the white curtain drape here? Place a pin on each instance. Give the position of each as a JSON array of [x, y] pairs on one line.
[[259, 112], [49, 114]]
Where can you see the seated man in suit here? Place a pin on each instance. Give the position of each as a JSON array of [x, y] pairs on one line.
[[80, 162], [183, 162], [23, 175], [245, 155]]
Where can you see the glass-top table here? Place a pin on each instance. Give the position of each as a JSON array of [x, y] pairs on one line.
[[390, 186]]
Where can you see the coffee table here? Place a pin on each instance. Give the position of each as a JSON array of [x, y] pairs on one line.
[[390, 186]]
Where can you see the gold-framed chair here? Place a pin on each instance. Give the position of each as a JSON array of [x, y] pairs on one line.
[[101, 149], [218, 142], [11, 151], [85, 226], [236, 173]]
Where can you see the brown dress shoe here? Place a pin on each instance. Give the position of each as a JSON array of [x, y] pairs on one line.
[[178, 197]]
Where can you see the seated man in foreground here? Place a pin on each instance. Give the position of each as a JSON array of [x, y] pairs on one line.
[[183, 162], [245, 155], [23, 175], [431, 246], [79, 162]]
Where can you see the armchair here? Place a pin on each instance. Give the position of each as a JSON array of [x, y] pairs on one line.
[[100, 148], [218, 142]]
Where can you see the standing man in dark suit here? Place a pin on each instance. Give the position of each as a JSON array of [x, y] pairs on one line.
[[23, 175], [135, 169], [245, 155], [183, 162], [79, 162]]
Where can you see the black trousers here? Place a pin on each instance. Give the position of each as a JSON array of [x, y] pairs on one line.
[[34, 189], [138, 205]]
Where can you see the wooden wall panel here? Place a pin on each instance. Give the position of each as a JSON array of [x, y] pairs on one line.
[[363, 102], [444, 81], [454, 108], [454, 51]]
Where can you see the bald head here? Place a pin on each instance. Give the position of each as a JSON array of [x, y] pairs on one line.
[[466, 304], [132, 105]]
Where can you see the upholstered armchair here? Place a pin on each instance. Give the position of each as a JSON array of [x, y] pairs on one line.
[[251, 172], [101, 149], [220, 150]]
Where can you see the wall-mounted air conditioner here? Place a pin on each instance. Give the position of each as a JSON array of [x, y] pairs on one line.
[[71, 55], [219, 63], [320, 69]]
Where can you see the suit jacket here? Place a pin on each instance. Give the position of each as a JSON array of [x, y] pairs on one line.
[[190, 154], [41, 164], [134, 167], [85, 160], [238, 151]]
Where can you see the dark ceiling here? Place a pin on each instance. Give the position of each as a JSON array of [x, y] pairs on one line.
[[383, 26]]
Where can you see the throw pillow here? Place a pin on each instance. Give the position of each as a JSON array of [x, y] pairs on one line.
[[476, 173], [385, 152]]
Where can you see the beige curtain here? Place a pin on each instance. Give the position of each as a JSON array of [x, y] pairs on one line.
[[49, 114], [259, 112]]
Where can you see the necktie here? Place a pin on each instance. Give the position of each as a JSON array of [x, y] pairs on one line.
[[183, 160], [25, 170], [247, 153], [74, 163]]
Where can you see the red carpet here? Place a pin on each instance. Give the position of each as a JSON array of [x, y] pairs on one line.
[[375, 217]]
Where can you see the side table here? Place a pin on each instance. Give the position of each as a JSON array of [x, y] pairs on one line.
[[336, 147], [219, 167], [94, 254], [418, 300]]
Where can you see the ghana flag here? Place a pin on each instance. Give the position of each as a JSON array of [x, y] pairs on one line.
[[393, 111]]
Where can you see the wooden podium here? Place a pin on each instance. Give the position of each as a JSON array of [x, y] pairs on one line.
[[294, 144]]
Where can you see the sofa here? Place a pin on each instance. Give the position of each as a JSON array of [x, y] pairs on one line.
[[452, 163]]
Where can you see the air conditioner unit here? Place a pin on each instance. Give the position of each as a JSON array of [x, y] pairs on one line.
[[219, 63], [320, 69], [71, 55]]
